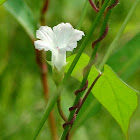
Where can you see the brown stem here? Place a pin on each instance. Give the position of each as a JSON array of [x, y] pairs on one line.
[[105, 13], [85, 97], [93, 6], [101, 37], [53, 126], [43, 12], [41, 61], [113, 5]]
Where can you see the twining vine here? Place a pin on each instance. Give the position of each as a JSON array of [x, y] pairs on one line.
[[107, 27], [78, 106]]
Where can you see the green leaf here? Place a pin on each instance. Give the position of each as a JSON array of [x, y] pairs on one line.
[[117, 97], [126, 61], [78, 70], [2, 1], [23, 14]]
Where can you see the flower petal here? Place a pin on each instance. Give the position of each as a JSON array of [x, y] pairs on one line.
[[67, 36], [62, 38], [77, 35], [71, 45], [42, 45], [45, 33]]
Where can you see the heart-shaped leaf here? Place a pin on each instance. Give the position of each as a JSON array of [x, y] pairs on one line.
[[117, 97]]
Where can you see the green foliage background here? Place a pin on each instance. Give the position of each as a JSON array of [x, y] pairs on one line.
[[21, 96]]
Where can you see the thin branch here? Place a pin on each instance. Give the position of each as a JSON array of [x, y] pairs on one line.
[[59, 107]]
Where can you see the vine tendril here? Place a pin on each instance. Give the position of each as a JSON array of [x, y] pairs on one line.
[[78, 106], [74, 108], [107, 28]]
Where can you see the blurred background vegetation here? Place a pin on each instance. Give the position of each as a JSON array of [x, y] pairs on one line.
[[22, 101]]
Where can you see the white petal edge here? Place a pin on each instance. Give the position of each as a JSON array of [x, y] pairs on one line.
[[45, 33], [42, 45], [67, 36]]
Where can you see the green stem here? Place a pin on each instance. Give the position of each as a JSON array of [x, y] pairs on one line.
[[86, 75], [49, 107], [115, 41], [87, 38], [59, 107], [85, 9], [54, 99]]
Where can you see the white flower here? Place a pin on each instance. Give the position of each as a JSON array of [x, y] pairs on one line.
[[62, 38]]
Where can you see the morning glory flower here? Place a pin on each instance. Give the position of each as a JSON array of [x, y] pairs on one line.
[[58, 40]]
